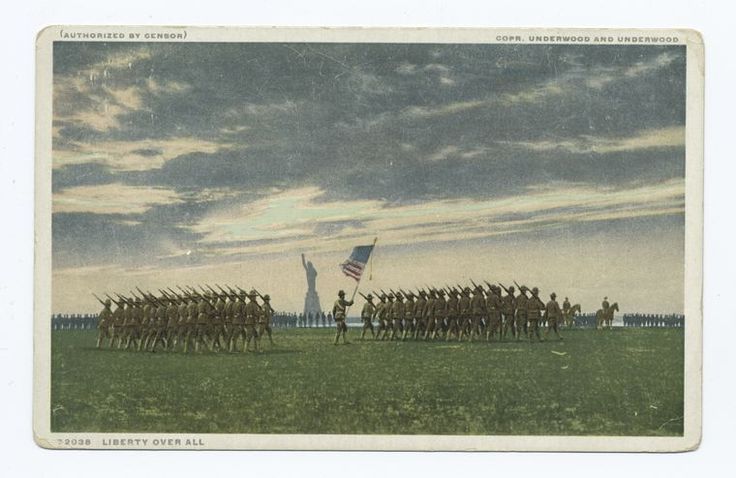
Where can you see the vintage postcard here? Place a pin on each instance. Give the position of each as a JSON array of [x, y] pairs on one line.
[[368, 239]]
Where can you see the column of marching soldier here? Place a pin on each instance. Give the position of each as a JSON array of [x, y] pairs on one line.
[[460, 313], [205, 318]]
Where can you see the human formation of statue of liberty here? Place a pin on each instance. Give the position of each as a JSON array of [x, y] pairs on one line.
[[311, 300]]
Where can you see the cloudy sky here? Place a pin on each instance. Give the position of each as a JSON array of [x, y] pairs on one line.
[[558, 166]]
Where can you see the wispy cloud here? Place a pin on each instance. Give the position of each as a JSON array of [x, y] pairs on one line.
[[645, 67], [100, 105], [601, 76], [300, 214], [97, 95], [111, 199], [444, 109], [565, 84], [138, 155], [669, 137]]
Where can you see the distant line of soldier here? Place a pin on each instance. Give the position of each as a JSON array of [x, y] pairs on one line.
[[74, 321], [653, 320], [458, 313], [293, 320], [279, 320], [208, 318], [312, 319]]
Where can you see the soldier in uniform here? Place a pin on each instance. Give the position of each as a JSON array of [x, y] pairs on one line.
[[201, 331], [172, 323], [440, 313], [534, 307], [604, 307], [146, 324], [427, 315], [478, 311], [389, 317], [366, 316], [554, 315], [238, 329], [192, 312], [103, 323], [509, 313], [420, 305], [453, 315], [494, 306], [409, 307], [264, 323], [252, 314], [218, 322], [465, 316], [117, 322], [181, 322], [160, 323], [228, 317], [521, 313], [566, 316], [397, 315], [339, 311], [429, 320], [126, 324], [134, 324], [381, 314]]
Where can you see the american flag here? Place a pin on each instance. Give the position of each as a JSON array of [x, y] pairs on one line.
[[354, 266]]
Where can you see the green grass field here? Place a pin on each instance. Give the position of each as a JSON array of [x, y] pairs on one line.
[[619, 382]]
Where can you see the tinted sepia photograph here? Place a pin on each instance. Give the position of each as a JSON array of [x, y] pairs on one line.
[[355, 239]]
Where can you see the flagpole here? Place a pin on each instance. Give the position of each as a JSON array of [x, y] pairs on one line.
[[357, 284]]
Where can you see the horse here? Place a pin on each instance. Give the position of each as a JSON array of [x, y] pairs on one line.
[[569, 317], [605, 319]]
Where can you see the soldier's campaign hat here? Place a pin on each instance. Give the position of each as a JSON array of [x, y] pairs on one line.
[[108, 302], [441, 292], [511, 288], [390, 295], [535, 290], [466, 289], [341, 293], [252, 293], [553, 295], [398, 295], [266, 297], [369, 296]]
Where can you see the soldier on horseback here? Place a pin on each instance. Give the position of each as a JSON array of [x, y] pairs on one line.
[[604, 315]]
